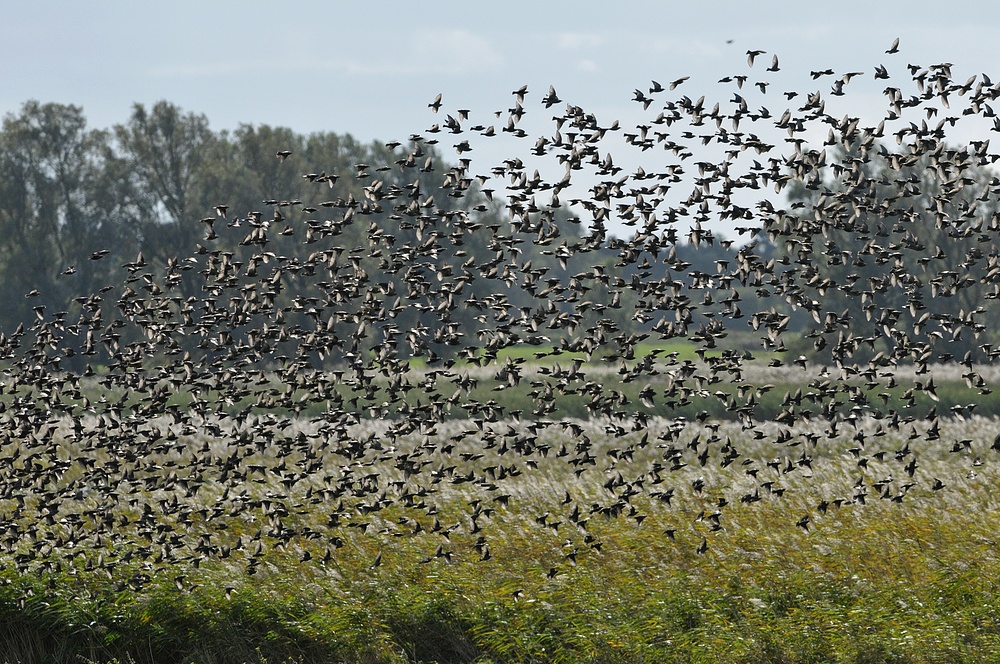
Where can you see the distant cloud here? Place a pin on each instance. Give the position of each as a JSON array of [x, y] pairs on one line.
[[685, 46], [587, 65], [458, 51], [438, 52], [576, 40], [201, 69]]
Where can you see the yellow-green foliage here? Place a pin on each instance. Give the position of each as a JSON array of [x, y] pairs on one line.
[[911, 580]]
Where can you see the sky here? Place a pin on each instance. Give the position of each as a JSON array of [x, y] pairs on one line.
[[370, 69]]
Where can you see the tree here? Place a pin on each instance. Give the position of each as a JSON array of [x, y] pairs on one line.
[[68, 212], [167, 150], [894, 251]]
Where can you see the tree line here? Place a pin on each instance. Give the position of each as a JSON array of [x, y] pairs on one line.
[[84, 210], [89, 214]]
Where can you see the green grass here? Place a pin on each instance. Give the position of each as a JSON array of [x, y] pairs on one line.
[[680, 348], [884, 581], [873, 585], [619, 393]]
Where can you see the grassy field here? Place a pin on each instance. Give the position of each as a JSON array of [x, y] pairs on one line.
[[624, 561], [769, 387]]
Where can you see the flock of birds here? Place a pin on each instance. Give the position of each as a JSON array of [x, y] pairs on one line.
[[221, 418]]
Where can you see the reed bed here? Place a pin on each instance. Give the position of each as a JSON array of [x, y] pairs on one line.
[[624, 561]]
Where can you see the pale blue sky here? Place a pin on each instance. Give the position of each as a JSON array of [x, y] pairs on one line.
[[371, 68]]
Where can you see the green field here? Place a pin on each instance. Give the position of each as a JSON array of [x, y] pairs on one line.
[[542, 564]]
